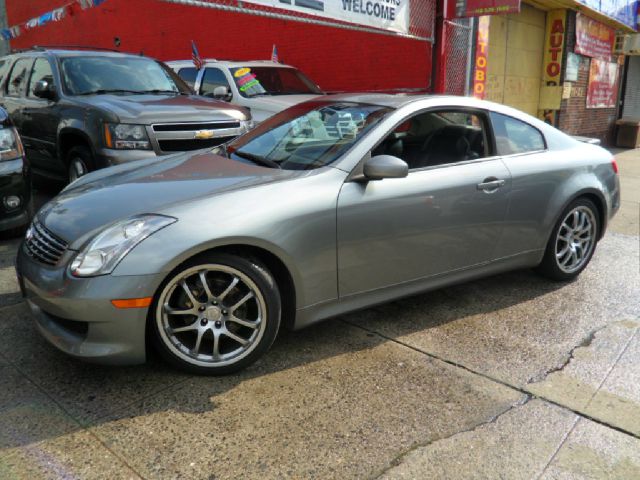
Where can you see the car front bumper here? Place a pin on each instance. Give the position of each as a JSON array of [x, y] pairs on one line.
[[106, 157], [76, 314]]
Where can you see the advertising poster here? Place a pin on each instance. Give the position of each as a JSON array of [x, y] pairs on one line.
[[482, 52], [384, 14], [602, 91], [475, 8], [593, 39]]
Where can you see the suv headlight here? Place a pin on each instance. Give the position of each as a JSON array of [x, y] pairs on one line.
[[246, 125], [10, 144], [124, 136], [105, 251]]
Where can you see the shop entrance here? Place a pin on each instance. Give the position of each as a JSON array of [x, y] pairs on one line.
[[515, 55]]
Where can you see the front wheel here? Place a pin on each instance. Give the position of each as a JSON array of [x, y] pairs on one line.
[[216, 314], [79, 163], [572, 241]]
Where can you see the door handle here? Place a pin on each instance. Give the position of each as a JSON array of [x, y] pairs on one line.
[[490, 185]]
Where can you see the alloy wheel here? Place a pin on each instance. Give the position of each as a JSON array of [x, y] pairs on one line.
[[575, 239], [211, 315]]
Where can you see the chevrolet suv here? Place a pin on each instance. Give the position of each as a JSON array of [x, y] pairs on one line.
[[78, 111]]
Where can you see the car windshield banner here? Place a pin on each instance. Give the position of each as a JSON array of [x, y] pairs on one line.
[[384, 14]]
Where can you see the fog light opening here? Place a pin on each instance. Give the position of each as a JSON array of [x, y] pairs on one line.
[[12, 202]]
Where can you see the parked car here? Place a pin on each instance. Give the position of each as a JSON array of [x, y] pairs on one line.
[[264, 87], [330, 206], [15, 180], [80, 110]]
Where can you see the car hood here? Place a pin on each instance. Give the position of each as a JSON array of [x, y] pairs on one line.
[[150, 109], [277, 103], [106, 196]]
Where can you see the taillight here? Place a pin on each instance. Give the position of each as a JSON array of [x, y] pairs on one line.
[[614, 165]]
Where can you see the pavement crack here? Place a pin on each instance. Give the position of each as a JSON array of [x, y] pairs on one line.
[[397, 460], [586, 342]]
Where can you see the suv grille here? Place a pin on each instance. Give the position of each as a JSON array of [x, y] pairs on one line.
[[180, 137], [44, 246]]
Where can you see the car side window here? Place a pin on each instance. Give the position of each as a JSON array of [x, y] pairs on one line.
[[189, 75], [515, 136], [213, 77], [4, 67], [41, 71], [437, 138], [18, 77]]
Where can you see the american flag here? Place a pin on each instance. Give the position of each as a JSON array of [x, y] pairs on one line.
[[274, 54], [197, 61]]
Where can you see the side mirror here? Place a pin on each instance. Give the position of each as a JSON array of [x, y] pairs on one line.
[[44, 89], [221, 93], [385, 166]]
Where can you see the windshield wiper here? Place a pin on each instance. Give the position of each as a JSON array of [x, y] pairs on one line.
[[104, 90], [257, 159], [164, 91]]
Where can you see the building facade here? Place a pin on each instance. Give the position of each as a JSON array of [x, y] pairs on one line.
[[555, 59]]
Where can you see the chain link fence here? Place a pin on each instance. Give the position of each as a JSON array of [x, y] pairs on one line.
[[458, 35], [421, 15]]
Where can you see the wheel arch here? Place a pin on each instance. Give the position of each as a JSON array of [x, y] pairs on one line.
[[69, 138]]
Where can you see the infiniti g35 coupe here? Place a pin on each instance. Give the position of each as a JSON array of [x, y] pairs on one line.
[[330, 206]]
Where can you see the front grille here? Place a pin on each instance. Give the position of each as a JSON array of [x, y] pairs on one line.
[[44, 246], [187, 127], [186, 145]]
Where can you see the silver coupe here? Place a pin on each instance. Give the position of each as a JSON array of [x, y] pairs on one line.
[[330, 206]]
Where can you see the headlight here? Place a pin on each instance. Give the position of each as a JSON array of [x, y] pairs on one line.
[[110, 246], [10, 144], [123, 136]]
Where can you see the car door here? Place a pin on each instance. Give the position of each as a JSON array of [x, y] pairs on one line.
[[40, 119], [14, 91], [446, 215]]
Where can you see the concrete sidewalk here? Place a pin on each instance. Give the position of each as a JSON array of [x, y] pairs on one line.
[[507, 377]]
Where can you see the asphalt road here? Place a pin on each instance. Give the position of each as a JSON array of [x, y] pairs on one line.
[[507, 377]]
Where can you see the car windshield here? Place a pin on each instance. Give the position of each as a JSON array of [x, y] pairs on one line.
[[307, 136], [88, 75], [256, 81]]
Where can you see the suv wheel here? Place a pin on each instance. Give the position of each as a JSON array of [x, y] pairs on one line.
[[79, 162]]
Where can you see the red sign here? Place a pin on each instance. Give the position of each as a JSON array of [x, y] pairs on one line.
[[593, 39], [476, 8], [482, 51], [602, 91]]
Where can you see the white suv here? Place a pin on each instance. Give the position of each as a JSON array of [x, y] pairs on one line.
[[265, 87]]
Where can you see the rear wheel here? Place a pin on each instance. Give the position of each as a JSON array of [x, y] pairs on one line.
[[216, 314], [79, 162], [572, 241]]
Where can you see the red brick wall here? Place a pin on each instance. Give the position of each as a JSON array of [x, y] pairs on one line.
[[337, 59], [575, 118]]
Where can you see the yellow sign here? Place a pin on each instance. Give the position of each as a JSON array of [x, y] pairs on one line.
[[241, 72], [551, 90]]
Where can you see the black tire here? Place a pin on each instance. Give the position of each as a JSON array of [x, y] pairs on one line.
[[79, 162], [552, 266], [213, 314]]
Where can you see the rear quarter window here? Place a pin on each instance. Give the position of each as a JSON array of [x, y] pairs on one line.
[[515, 136]]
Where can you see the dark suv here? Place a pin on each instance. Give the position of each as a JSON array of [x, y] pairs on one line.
[[80, 110]]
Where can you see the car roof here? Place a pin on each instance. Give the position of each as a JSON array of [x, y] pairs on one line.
[[70, 52], [230, 63]]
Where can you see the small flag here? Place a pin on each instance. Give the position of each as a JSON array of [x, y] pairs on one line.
[[197, 61], [274, 55], [31, 23], [58, 14]]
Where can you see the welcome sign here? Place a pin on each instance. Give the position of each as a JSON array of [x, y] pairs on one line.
[[384, 14]]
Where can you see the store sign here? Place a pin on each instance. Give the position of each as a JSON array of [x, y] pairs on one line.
[[573, 65], [475, 8], [383, 14], [602, 91], [482, 53], [621, 10], [593, 38], [554, 44]]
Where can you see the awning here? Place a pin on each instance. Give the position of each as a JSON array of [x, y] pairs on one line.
[[579, 7]]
